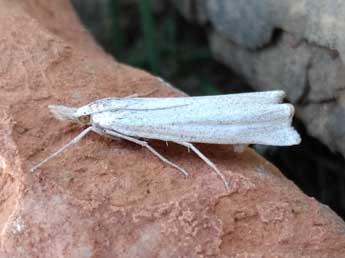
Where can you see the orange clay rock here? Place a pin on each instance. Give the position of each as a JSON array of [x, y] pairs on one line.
[[111, 198]]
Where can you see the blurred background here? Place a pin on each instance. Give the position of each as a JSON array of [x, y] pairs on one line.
[[229, 46]]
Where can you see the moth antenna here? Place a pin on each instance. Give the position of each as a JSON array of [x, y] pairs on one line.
[[63, 112]]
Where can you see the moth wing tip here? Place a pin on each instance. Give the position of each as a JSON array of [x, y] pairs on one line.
[[291, 110], [295, 137], [280, 95]]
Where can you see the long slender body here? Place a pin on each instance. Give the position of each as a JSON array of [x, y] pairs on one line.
[[245, 118]]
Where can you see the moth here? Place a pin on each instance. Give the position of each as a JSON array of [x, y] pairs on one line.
[[245, 118]]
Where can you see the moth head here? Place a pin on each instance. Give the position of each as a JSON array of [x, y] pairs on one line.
[[85, 119]]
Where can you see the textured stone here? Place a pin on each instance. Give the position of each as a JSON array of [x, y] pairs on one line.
[[250, 23], [306, 59], [108, 198], [283, 66], [311, 76]]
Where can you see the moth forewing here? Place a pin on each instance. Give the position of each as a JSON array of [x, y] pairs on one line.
[[224, 119], [113, 104], [218, 123]]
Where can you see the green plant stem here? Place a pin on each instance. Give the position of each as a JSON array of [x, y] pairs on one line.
[[148, 29]]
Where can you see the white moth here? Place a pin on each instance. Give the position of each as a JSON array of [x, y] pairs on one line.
[[246, 118]]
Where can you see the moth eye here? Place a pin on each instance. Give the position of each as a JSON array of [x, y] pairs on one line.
[[84, 119]]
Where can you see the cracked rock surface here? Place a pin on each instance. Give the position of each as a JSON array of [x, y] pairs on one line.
[[306, 58], [108, 198]]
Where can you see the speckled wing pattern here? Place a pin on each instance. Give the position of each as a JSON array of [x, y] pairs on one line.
[[244, 118]]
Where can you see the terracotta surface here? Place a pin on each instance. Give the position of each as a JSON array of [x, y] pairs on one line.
[[108, 198]]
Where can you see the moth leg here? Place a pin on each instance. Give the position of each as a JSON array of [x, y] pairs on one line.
[[208, 162], [142, 143], [73, 141]]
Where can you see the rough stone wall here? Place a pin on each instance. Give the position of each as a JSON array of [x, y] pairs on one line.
[[297, 46]]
